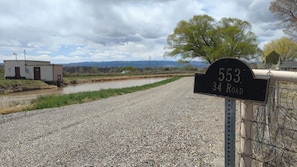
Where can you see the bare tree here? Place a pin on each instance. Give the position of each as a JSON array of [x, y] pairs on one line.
[[286, 11]]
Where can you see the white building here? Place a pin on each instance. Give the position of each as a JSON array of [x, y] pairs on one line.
[[36, 70]]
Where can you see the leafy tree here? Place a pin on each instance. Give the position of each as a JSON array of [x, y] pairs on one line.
[[189, 68], [128, 68], [272, 58], [285, 47], [148, 68], [286, 11], [114, 70], [210, 40], [94, 70], [1, 69], [81, 70]]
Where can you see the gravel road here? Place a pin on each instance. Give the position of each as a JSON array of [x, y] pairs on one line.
[[164, 126]]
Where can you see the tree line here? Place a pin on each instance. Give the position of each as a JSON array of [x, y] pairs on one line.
[[92, 70]]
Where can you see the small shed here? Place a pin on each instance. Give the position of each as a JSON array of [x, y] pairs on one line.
[[31, 69], [288, 65]]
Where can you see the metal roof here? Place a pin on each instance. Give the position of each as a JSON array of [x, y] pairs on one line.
[[288, 64]]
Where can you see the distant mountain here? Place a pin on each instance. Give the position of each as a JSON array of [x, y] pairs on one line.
[[140, 64]]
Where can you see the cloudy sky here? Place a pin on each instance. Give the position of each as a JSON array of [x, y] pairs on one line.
[[64, 31]]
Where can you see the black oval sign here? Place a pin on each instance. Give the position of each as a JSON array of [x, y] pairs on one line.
[[230, 77]]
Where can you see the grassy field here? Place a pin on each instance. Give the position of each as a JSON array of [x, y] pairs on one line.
[[51, 101]]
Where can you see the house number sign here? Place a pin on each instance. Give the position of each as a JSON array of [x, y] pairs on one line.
[[231, 78]]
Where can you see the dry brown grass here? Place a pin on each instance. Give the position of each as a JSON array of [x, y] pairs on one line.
[[13, 109]]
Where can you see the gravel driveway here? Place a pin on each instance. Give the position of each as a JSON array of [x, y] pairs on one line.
[[164, 126]]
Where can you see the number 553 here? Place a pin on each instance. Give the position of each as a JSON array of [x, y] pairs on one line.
[[229, 75]]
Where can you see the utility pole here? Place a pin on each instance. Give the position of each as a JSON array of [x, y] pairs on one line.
[[150, 61], [25, 54], [25, 60], [16, 56]]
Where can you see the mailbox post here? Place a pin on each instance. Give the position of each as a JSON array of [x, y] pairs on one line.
[[232, 79], [230, 132]]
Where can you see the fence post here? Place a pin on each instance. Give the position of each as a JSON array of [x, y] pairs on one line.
[[246, 134]]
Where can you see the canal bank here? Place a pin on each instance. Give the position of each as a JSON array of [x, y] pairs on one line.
[[12, 86], [17, 101]]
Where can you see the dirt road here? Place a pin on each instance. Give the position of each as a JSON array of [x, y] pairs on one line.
[[164, 126]]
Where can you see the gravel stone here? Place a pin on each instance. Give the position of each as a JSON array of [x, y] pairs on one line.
[[163, 126]]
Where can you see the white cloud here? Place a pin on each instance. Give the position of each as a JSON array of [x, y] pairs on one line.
[[97, 30]]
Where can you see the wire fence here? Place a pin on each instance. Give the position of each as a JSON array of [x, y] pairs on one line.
[[274, 128]]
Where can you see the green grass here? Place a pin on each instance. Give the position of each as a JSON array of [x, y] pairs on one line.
[[1, 76], [12, 85], [9, 82], [13, 82], [51, 101]]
